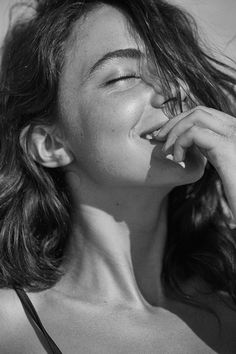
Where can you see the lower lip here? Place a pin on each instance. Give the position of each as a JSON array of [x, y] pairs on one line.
[[156, 147]]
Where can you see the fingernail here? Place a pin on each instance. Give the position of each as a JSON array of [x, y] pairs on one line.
[[156, 135], [170, 157], [156, 132], [182, 164], [160, 133]]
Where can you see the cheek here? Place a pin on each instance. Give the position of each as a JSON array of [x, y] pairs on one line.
[[110, 119], [106, 149]]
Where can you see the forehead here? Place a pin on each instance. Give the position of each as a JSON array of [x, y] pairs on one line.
[[103, 30]]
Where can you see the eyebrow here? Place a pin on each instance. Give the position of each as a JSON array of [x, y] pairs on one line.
[[129, 53]]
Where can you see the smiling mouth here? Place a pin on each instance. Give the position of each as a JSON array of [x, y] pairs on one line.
[[150, 137]]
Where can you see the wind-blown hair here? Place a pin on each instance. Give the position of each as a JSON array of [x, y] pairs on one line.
[[35, 205]]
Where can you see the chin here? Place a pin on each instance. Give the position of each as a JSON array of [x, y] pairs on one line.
[[195, 164], [169, 173]]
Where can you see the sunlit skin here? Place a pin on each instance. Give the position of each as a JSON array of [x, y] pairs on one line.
[[111, 299], [119, 181], [104, 115], [214, 133]]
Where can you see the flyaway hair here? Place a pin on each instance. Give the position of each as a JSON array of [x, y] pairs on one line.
[[35, 205]]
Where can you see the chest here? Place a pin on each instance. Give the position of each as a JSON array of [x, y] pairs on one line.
[[90, 332]]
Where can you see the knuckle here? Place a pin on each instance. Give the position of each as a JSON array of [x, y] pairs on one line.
[[232, 129], [173, 135], [194, 129], [182, 139]]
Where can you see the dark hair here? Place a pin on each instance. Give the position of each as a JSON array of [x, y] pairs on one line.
[[34, 202]]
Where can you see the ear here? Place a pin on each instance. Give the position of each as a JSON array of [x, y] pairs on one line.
[[46, 146]]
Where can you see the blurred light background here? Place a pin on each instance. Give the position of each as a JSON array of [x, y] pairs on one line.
[[216, 18]]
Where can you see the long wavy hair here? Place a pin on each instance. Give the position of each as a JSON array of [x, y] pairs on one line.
[[35, 207]]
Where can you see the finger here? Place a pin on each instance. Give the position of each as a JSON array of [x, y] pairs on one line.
[[219, 122], [215, 112], [163, 131], [202, 120], [204, 138]]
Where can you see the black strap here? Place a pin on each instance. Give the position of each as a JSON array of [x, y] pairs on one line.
[[47, 342]]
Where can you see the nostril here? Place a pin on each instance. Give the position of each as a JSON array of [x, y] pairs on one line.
[[157, 99], [169, 100]]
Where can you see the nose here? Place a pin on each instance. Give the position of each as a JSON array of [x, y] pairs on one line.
[[176, 92], [157, 98]]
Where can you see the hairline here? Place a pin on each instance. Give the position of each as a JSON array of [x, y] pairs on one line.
[[71, 41]]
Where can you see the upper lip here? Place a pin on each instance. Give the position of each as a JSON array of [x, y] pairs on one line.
[[150, 129]]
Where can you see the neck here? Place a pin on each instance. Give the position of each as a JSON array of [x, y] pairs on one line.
[[116, 247]]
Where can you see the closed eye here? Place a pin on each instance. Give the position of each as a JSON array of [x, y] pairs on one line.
[[122, 78]]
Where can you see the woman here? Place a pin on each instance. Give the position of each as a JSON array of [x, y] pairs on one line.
[[118, 146]]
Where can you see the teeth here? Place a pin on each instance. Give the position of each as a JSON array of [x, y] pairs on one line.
[[150, 136]]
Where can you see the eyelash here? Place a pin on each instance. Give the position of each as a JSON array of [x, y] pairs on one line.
[[124, 77], [131, 76], [174, 99]]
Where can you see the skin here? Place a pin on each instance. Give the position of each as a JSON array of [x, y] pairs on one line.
[[111, 299], [214, 133]]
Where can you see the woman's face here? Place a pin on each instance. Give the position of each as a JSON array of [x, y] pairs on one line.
[[106, 105]]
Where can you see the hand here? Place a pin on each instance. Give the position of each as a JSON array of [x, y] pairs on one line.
[[214, 133]]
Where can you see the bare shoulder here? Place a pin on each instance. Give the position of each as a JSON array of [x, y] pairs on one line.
[[12, 320], [9, 306], [10, 312]]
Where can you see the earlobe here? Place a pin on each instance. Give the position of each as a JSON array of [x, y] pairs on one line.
[[45, 146]]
